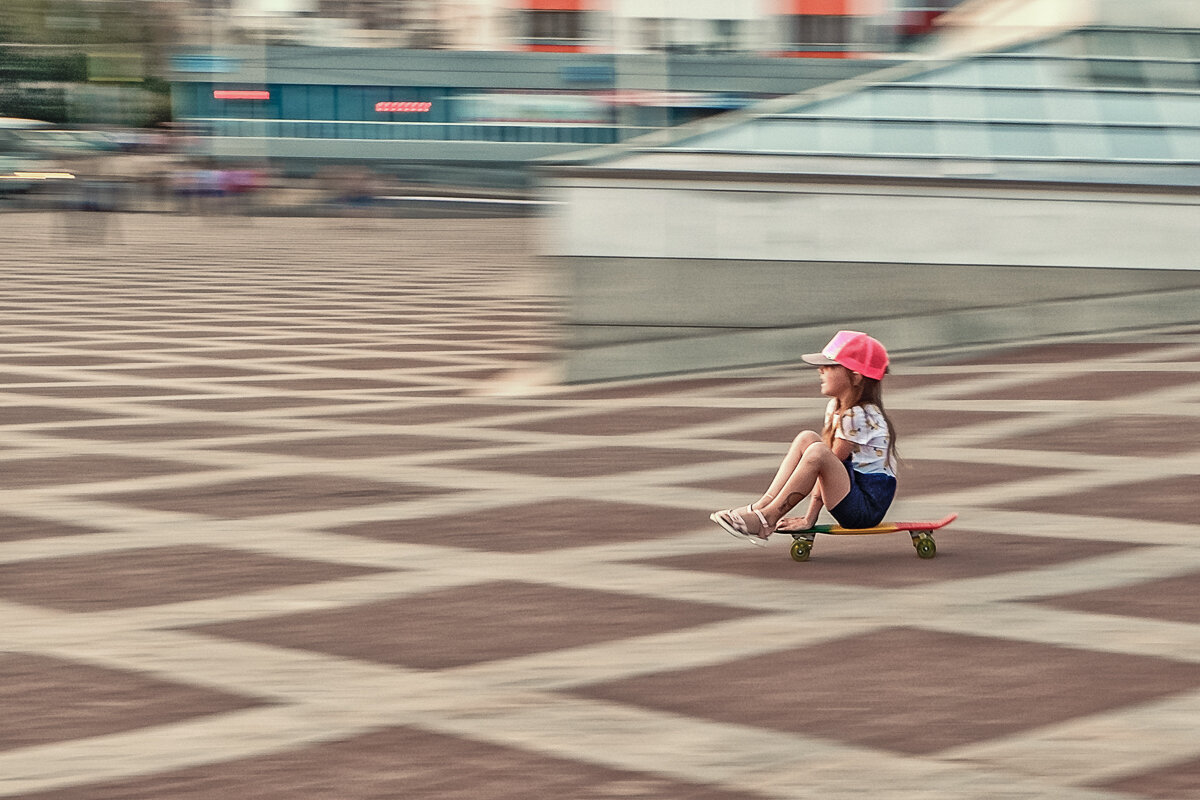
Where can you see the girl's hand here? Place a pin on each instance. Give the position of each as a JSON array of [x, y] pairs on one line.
[[794, 524]]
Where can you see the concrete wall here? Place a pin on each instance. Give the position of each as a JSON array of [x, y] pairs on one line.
[[667, 276], [972, 223]]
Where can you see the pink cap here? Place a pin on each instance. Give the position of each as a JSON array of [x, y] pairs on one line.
[[855, 351]]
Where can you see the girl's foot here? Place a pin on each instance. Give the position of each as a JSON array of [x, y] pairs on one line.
[[745, 523]]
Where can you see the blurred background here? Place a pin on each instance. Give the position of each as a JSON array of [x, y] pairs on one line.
[[965, 158], [459, 92]]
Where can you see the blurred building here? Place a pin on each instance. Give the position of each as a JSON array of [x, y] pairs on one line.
[[415, 111], [819, 28], [1049, 186], [544, 77]]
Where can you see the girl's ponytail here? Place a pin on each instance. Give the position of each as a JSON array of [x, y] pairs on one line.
[[871, 392]]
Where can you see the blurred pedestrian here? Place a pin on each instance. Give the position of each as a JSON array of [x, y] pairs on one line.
[[355, 192], [92, 213]]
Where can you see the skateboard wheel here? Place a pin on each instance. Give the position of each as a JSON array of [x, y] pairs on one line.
[[801, 550], [925, 546]]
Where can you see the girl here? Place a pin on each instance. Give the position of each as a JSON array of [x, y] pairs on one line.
[[849, 466]]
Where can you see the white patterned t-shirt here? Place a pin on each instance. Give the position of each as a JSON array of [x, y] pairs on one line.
[[867, 431]]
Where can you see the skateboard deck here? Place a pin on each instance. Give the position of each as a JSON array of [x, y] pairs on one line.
[[921, 533]]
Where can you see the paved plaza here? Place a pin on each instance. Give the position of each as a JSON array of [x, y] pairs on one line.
[[292, 508]]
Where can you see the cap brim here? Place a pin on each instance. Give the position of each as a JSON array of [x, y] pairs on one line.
[[818, 360]]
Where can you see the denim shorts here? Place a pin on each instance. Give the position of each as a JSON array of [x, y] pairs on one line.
[[870, 496]]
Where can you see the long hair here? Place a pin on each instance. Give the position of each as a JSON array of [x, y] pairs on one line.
[[870, 392]]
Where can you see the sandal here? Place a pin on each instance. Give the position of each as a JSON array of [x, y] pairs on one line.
[[741, 524]]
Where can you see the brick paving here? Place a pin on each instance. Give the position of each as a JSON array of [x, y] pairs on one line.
[[291, 511]]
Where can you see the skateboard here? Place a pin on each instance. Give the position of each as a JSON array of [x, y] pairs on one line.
[[921, 532]]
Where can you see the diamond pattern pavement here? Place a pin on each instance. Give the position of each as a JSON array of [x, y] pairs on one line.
[[291, 509]]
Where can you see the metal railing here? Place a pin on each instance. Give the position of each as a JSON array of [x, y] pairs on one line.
[[528, 132]]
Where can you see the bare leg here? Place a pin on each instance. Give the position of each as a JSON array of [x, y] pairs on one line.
[[816, 502], [810, 467], [818, 463], [792, 460]]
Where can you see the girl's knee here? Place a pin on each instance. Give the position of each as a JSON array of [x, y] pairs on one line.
[[817, 452], [805, 439]]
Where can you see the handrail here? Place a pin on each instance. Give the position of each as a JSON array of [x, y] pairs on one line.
[[374, 130]]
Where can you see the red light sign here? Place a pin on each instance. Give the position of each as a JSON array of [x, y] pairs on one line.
[[405, 107], [241, 94]]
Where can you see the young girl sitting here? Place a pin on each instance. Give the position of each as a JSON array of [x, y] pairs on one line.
[[848, 467]]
